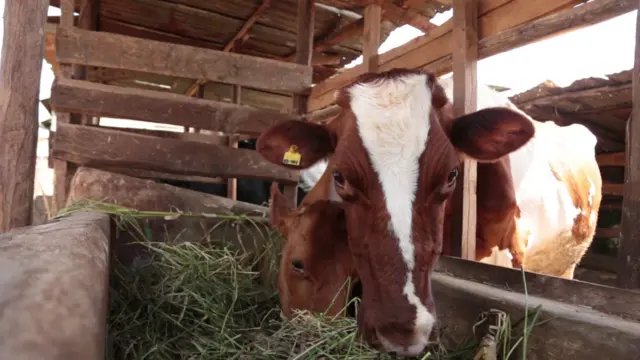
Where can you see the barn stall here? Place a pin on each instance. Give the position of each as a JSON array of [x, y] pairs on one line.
[[164, 62]]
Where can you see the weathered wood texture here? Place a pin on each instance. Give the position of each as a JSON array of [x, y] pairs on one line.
[[372, 20], [99, 147], [124, 52], [503, 25], [22, 52], [605, 299], [159, 107], [148, 195], [612, 159], [54, 289], [629, 250], [567, 331], [465, 84]]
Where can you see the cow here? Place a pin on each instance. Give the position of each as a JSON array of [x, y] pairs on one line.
[[395, 151]]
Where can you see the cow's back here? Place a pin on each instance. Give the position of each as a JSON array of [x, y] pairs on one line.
[[558, 191]]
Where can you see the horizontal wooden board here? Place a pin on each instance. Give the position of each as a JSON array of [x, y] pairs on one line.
[[614, 301], [612, 189], [109, 50], [83, 97], [93, 146], [611, 159]]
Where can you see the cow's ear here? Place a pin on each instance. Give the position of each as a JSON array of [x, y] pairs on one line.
[[492, 133], [278, 207], [296, 144]]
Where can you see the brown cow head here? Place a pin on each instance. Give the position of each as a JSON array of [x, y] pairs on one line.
[[316, 265], [395, 151]]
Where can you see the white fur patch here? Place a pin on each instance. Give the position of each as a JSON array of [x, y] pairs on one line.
[[393, 122], [310, 176]]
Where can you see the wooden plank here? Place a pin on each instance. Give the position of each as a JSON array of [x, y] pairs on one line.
[[629, 250], [611, 159], [88, 20], [63, 265], [94, 146], [19, 89], [495, 16], [614, 301], [608, 232], [613, 189], [400, 16], [465, 55], [160, 107], [125, 52], [371, 37], [150, 174]]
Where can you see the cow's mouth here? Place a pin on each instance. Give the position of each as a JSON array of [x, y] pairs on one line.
[[354, 295]]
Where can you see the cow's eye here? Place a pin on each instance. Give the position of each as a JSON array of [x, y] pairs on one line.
[[338, 178], [453, 175], [297, 266]]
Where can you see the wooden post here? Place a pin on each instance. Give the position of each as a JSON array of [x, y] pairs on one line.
[[22, 54], [304, 50], [232, 183], [629, 251], [62, 170], [465, 59], [371, 36]]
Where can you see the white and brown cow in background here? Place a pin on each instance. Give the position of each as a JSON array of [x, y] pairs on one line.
[[395, 151]]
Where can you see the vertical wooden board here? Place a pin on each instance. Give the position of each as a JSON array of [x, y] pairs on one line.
[[371, 36], [232, 184], [22, 54], [629, 251], [465, 58]]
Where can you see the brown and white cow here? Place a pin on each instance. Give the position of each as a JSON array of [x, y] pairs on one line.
[[395, 152]]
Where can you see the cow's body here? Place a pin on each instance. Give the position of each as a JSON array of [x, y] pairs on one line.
[[394, 153]]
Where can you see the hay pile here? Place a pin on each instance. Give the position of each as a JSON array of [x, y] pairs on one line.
[[197, 301]]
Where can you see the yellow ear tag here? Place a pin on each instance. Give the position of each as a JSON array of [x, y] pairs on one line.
[[292, 157]]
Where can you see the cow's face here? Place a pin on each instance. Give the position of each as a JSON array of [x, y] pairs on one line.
[[395, 151], [316, 268]]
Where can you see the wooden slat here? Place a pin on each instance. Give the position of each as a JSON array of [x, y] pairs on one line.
[[125, 52], [496, 16], [19, 89], [94, 146], [612, 159], [612, 189], [608, 232], [247, 25], [160, 107], [599, 262], [371, 37], [465, 55], [629, 250]]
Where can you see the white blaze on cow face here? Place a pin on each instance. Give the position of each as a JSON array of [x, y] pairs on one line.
[[393, 123]]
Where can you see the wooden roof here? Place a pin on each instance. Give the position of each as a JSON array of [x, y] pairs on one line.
[[215, 24], [601, 104]]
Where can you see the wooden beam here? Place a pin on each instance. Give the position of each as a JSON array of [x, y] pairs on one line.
[[160, 107], [613, 189], [465, 57], [247, 25], [98, 147], [400, 16], [22, 53], [495, 16], [609, 232], [125, 52], [345, 33], [629, 250], [611, 159], [371, 36], [304, 53]]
